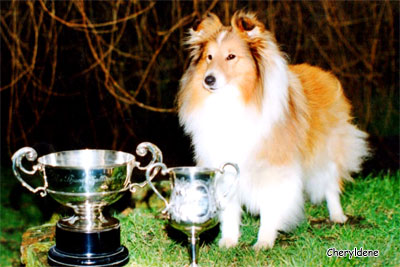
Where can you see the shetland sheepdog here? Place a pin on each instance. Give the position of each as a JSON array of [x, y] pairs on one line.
[[288, 127]]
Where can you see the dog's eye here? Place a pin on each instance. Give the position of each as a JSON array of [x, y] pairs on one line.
[[230, 57], [209, 57]]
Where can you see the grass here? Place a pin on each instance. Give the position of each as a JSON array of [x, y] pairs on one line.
[[372, 205], [18, 212]]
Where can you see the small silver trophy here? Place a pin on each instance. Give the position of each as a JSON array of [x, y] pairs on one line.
[[86, 180], [194, 205]]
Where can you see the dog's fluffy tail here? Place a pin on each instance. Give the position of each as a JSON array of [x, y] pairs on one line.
[[355, 148]]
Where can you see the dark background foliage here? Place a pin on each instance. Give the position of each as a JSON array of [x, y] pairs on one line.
[[104, 74]]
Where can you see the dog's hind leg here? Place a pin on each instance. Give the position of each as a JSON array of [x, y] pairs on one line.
[[333, 202], [345, 151], [324, 184]]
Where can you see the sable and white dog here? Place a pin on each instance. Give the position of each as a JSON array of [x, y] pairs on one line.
[[288, 127]]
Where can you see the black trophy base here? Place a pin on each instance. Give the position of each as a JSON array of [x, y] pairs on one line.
[[59, 258], [100, 248]]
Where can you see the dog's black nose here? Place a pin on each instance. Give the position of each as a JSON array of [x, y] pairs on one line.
[[210, 80]]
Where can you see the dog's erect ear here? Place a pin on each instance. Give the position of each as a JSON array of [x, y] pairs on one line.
[[204, 29], [209, 21], [247, 24], [200, 33]]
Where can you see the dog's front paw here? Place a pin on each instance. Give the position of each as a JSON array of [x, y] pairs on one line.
[[338, 218], [264, 244], [266, 237], [227, 242]]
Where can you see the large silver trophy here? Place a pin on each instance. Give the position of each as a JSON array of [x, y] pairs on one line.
[[86, 180], [194, 201]]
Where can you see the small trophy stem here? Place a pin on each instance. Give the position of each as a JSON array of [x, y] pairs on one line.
[[193, 246]]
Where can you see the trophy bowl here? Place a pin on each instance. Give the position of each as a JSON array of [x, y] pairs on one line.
[[85, 180], [194, 203]]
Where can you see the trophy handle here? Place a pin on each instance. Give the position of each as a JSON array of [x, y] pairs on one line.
[[222, 171], [234, 165], [150, 173], [31, 155], [142, 150]]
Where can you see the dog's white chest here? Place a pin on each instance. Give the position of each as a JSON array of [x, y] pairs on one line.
[[224, 129]]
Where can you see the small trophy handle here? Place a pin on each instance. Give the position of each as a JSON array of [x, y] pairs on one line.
[[222, 171], [151, 173], [142, 150], [234, 165], [31, 155]]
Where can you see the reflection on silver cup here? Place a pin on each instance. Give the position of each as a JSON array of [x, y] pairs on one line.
[[86, 180], [193, 206]]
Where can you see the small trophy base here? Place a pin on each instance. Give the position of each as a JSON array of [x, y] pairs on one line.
[[100, 248]]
